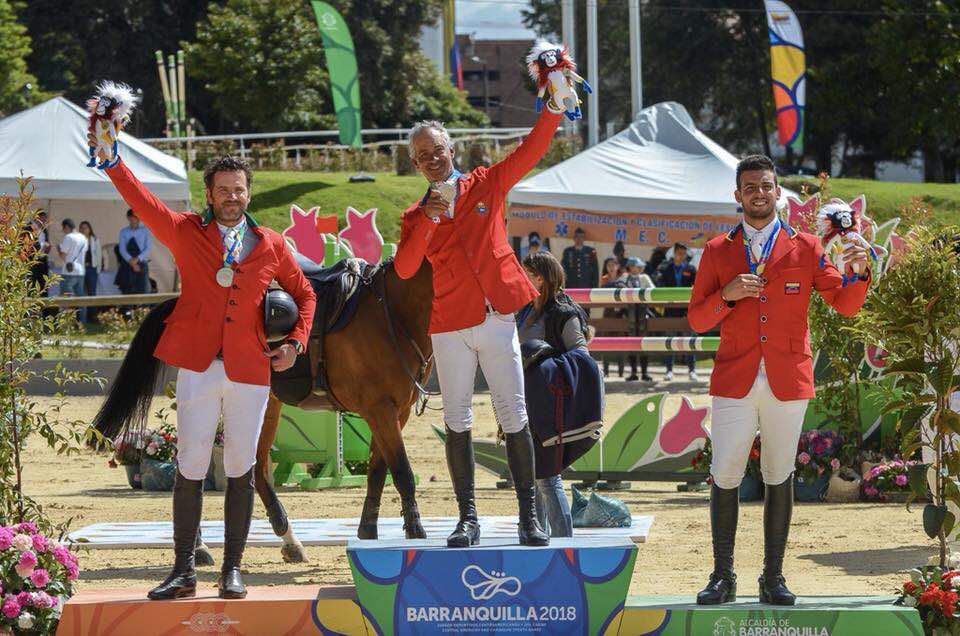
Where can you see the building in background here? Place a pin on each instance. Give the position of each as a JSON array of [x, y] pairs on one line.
[[496, 80]]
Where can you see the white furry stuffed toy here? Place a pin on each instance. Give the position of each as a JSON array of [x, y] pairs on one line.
[[554, 71], [110, 111], [839, 224]]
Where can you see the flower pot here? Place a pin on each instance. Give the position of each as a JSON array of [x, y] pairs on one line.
[[843, 487], [751, 489], [156, 475], [216, 465], [810, 490], [133, 475]]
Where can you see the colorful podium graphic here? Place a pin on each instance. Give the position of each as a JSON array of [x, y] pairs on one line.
[[574, 586]]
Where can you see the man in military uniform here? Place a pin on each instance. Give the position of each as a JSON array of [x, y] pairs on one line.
[[580, 264]]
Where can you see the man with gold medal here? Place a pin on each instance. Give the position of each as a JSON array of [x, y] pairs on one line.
[[756, 282]]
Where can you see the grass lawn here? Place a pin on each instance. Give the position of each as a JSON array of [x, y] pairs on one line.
[[884, 198], [275, 191]]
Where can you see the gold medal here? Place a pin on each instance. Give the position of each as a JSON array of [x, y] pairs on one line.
[[225, 276], [760, 267]]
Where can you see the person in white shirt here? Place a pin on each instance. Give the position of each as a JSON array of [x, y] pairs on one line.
[[73, 250], [93, 263]]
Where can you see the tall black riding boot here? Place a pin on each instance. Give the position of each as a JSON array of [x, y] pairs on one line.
[[777, 511], [460, 462], [724, 510], [187, 510], [237, 513], [520, 461]]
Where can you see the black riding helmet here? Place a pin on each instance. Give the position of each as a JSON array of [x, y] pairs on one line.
[[280, 314]]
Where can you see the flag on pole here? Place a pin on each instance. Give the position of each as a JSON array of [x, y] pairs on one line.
[[327, 224], [788, 73], [453, 66]]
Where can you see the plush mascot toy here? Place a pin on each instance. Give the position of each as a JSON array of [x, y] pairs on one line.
[[554, 71], [839, 224], [110, 111]]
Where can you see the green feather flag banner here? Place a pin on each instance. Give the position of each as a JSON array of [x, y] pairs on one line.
[[342, 66]]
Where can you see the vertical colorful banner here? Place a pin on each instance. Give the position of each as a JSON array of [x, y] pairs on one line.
[[342, 66], [453, 66], [788, 72]]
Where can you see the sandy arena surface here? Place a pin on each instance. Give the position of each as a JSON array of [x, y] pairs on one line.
[[834, 549]]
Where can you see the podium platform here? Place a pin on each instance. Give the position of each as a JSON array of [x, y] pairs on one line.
[[572, 586], [811, 616]]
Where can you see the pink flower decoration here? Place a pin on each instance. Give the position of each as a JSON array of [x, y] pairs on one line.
[[24, 598], [803, 458], [900, 480], [870, 491], [27, 560], [40, 578], [6, 538], [42, 600], [40, 543], [11, 607], [72, 572], [22, 542], [27, 526], [835, 463]]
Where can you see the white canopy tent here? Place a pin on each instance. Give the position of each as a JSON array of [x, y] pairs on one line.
[[660, 166], [48, 142]]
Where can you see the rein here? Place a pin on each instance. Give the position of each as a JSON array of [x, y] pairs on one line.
[[424, 360]]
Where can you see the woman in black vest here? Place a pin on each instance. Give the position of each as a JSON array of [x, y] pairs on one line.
[[549, 326]]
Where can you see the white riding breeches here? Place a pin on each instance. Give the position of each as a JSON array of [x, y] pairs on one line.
[[495, 346], [734, 425], [201, 399]]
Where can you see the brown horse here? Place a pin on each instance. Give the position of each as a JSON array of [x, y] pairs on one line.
[[374, 365]]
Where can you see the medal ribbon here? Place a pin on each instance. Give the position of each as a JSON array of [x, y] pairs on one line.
[[230, 254], [757, 267]]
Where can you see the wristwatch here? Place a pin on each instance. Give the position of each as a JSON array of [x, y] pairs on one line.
[[296, 345]]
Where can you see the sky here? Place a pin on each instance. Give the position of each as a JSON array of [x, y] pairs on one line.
[[493, 19]]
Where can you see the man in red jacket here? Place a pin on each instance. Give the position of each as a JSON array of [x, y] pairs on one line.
[[477, 286], [215, 336], [756, 283]]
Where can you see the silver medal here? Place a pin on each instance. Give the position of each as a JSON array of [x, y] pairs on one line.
[[225, 276]]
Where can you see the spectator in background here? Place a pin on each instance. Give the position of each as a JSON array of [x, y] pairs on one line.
[[678, 272], [611, 272], [133, 254], [656, 259], [73, 250], [620, 253], [637, 279], [40, 270], [533, 240], [580, 265], [92, 263]]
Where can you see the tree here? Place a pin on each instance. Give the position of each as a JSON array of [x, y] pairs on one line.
[[18, 88], [283, 50]]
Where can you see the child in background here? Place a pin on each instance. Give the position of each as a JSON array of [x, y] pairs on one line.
[[636, 278]]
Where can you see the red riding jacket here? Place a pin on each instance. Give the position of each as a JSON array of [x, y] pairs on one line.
[[209, 318], [472, 261], [774, 326]]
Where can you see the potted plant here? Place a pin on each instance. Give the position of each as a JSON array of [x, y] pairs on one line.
[[913, 316], [36, 576], [127, 452], [817, 459], [888, 481], [934, 593], [158, 463]]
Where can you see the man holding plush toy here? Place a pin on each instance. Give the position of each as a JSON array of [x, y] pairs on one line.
[[756, 282]]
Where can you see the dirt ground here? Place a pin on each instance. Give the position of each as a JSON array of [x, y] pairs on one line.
[[834, 549]]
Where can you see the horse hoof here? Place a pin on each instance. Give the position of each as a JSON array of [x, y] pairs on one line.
[[202, 557], [416, 532], [367, 531], [293, 553]]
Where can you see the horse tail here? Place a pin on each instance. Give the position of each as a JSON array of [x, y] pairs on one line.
[[128, 403]]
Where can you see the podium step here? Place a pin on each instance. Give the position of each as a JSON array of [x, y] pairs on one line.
[[288, 610], [811, 616]]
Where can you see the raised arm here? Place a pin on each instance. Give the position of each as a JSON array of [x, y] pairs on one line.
[[154, 213], [524, 158]]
